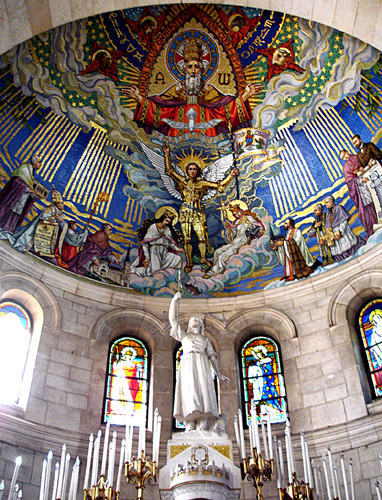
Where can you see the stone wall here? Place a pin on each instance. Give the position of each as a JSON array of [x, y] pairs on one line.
[[312, 320]]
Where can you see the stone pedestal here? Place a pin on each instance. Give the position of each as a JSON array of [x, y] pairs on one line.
[[199, 466]]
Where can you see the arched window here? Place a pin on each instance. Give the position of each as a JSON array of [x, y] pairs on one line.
[[370, 327], [262, 379], [15, 340], [127, 386]]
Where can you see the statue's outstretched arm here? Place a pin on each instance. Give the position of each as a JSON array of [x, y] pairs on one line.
[[214, 362], [173, 313]]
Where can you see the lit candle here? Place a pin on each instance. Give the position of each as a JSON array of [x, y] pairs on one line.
[[241, 435], [264, 436], [270, 437], [281, 459], [55, 481], [327, 478], [351, 479], [332, 472], [344, 477], [15, 474], [105, 449], [278, 477], [42, 485], [88, 462], [47, 478], [66, 472], [61, 475], [120, 467], [378, 490], [304, 457]]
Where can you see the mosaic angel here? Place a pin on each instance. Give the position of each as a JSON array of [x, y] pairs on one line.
[[193, 183]]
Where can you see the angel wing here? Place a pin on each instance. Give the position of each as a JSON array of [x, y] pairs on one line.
[[157, 161], [215, 172]]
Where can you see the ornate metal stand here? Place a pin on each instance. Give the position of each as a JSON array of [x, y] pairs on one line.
[[139, 472], [101, 491], [296, 491], [258, 470]]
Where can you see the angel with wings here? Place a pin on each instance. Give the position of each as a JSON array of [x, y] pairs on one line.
[[193, 183]]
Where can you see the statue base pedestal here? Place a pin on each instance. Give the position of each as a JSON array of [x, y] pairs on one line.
[[199, 465]]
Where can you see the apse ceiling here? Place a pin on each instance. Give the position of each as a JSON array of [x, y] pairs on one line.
[[191, 144]]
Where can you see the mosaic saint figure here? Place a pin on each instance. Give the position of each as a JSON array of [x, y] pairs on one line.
[[293, 253], [245, 226], [343, 243], [195, 398], [18, 195], [318, 229], [158, 244], [193, 103], [359, 192]]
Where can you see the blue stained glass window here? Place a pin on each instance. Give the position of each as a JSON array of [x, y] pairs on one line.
[[127, 385], [370, 323], [262, 379], [15, 338]]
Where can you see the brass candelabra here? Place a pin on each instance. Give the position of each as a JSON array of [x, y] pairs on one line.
[[297, 490], [257, 469], [101, 491], [141, 471]]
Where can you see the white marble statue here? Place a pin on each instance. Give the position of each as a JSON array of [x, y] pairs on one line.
[[195, 398]]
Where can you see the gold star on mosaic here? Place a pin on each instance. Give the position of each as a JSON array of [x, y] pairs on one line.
[[288, 28], [337, 38], [315, 78], [324, 70], [92, 101], [302, 91], [74, 104], [303, 99], [294, 103], [335, 46], [331, 54], [289, 99], [307, 85]]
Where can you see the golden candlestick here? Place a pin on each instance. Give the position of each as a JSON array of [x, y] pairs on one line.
[[140, 472], [257, 469], [101, 491], [298, 490]]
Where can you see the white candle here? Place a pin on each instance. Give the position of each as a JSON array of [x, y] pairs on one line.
[[327, 479], [66, 472], [141, 441], [42, 485], [61, 475], [241, 435], [332, 472], [75, 492], [250, 429], [378, 490], [304, 456], [337, 483], [278, 476], [48, 469], [270, 437], [129, 443], [55, 481], [88, 462], [380, 460], [155, 423], [71, 486], [281, 460], [96, 459], [351, 479], [289, 460], [113, 456], [159, 427], [120, 467], [264, 436], [15, 492], [14, 477], [1, 489], [344, 477], [105, 449], [320, 480], [315, 485], [257, 435], [292, 461], [20, 494], [308, 464]]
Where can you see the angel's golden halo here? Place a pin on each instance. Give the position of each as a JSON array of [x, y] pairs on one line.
[[192, 158]]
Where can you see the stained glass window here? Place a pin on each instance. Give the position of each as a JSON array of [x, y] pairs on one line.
[[15, 338], [370, 323], [262, 379], [127, 385]]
